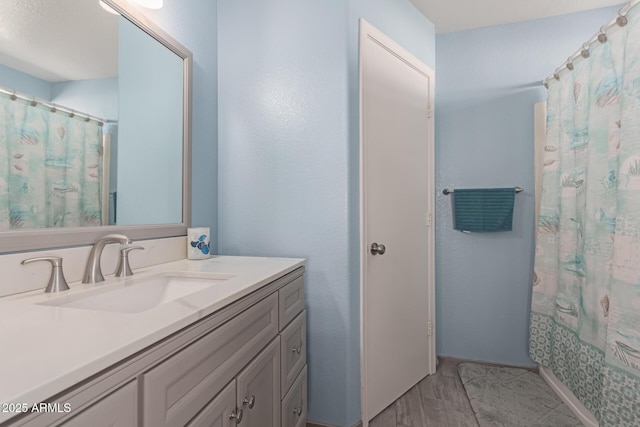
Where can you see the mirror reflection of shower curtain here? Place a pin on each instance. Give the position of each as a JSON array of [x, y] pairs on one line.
[[51, 176], [110, 166]]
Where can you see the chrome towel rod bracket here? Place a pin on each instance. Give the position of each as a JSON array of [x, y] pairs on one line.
[[448, 191]]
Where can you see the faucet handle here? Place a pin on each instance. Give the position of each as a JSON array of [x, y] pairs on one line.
[[57, 282], [124, 269]]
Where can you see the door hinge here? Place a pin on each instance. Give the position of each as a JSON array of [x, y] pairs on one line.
[[428, 111], [429, 328], [429, 220]]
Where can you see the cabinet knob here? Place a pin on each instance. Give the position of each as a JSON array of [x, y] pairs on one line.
[[298, 411], [249, 402], [297, 349], [378, 249], [236, 415]]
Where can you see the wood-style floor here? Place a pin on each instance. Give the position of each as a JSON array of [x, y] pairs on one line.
[[438, 400]]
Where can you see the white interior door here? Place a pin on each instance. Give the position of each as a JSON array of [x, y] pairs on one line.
[[396, 153]]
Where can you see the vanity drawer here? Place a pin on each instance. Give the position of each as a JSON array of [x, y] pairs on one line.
[[177, 389], [119, 409], [291, 301], [294, 404], [293, 350]]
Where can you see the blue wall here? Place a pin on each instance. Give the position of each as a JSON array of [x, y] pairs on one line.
[[288, 141], [98, 97], [487, 83], [10, 78], [193, 24]]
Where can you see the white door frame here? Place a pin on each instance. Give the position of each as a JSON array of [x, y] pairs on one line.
[[369, 31]]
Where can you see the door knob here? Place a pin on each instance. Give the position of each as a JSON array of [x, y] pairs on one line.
[[377, 249]]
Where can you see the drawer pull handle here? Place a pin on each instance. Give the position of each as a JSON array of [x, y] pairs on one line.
[[236, 415], [297, 349], [298, 411], [249, 402]]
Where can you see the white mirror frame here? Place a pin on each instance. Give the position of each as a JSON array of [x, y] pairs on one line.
[[46, 238]]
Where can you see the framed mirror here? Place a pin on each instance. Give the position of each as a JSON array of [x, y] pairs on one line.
[[95, 125]]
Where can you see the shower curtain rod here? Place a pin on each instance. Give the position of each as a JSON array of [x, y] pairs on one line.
[[600, 36], [54, 107]]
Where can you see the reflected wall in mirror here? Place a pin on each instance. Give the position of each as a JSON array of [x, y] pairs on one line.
[[91, 119]]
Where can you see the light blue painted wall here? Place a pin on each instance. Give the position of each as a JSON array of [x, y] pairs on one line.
[[487, 83], [10, 78], [283, 165], [98, 97], [288, 141], [194, 24], [149, 130]]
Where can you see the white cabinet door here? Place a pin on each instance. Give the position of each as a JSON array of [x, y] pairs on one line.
[[218, 412], [294, 404], [259, 388]]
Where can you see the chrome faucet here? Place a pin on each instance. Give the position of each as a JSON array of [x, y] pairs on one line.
[[93, 272]]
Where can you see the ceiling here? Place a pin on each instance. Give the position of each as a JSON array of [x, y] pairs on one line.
[[59, 40], [458, 15]]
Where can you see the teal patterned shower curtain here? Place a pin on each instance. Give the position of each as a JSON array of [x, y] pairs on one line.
[[50, 167], [585, 321]]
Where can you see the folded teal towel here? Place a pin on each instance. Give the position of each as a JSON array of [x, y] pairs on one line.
[[482, 210]]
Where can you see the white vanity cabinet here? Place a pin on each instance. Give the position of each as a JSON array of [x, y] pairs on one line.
[[244, 365], [178, 388]]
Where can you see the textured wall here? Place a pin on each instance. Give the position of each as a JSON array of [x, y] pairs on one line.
[[283, 164], [288, 141], [487, 83]]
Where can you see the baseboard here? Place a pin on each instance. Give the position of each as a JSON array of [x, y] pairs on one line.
[[319, 424], [578, 409]]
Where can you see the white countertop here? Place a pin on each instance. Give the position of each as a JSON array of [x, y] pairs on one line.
[[46, 349]]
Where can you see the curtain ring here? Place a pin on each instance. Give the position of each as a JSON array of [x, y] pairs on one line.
[[13, 96], [585, 51], [33, 102], [602, 37], [569, 64], [556, 76], [621, 20], [72, 114], [546, 84], [87, 119], [53, 108]]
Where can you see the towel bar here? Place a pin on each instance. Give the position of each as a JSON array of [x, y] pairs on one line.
[[447, 191]]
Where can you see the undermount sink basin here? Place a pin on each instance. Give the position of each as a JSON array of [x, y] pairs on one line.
[[138, 295]]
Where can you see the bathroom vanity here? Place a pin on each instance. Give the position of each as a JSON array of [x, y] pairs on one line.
[[223, 343]]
